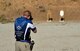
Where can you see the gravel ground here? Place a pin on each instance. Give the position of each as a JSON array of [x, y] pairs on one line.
[[50, 37]]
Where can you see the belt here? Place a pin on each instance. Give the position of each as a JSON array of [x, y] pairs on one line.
[[24, 41]]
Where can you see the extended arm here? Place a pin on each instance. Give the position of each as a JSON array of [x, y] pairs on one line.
[[33, 28]]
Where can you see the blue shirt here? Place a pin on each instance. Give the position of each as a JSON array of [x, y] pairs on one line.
[[23, 27]]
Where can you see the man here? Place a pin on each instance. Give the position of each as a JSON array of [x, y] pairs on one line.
[[23, 26]]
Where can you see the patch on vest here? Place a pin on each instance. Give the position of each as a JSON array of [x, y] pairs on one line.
[[19, 28]]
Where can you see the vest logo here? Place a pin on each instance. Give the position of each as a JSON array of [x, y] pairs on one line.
[[19, 28]]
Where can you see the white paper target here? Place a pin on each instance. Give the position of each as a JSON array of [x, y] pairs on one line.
[[61, 13]]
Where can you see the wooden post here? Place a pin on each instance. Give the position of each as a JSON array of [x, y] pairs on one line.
[[49, 16]]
